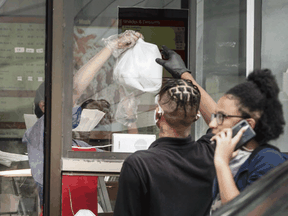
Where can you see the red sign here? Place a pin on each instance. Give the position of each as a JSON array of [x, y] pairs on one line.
[[79, 192]]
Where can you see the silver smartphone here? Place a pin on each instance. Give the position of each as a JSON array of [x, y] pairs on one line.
[[247, 135]]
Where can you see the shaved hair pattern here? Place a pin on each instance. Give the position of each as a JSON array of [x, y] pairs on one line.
[[182, 92]]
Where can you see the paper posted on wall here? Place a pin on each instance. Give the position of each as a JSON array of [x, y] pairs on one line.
[[90, 118], [30, 120]]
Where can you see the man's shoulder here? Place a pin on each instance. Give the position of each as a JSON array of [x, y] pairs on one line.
[[205, 142], [140, 155], [141, 158]]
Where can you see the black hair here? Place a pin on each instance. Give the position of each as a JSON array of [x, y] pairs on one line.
[[258, 98], [39, 96], [38, 112], [183, 92]]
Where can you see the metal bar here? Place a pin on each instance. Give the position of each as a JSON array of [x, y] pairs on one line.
[[54, 128], [105, 201], [88, 165], [250, 37], [18, 193], [80, 173], [192, 46], [242, 37], [192, 36], [257, 34], [47, 116], [98, 155], [68, 14]]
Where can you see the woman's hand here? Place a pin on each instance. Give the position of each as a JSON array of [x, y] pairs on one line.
[[225, 145], [120, 43]]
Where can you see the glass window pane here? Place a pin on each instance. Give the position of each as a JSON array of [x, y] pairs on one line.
[[274, 53], [221, 48], [22, 62], [128, 123], [125, 97]]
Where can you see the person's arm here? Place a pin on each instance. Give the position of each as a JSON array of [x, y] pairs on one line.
[[130, 193], [207, 104], [176, 67], [86, 73], [114, 44], [224, 152], [264, 163], [227, 186]]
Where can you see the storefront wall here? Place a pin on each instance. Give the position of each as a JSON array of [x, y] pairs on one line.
[[220, 47], [129, 111], [224, 48]]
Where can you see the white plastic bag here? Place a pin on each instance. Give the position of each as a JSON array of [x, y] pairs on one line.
[[137, 68], [126, 112]]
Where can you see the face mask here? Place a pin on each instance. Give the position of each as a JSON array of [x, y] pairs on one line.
[[160, 110]]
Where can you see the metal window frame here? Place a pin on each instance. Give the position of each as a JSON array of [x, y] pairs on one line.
[[192, 43], [80, 157], [58, 156], [47, 117], [58, 122], [257, 33], [254, 35], [57, 101]]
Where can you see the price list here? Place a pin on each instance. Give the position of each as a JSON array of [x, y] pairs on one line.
[[22, 64], [21, 55]]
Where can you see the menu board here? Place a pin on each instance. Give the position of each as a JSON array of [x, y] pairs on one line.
[[159, 26], [21, 55], [22, 64]]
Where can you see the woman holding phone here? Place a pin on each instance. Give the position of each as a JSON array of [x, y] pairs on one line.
[[256, 101]]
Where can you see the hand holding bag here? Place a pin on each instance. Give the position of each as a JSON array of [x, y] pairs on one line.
[[136, 67]]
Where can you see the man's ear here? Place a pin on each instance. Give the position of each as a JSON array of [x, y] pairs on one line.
[[251, 122], [42, 106]]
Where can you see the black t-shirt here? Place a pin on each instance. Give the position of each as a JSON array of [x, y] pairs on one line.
[[173, 177]]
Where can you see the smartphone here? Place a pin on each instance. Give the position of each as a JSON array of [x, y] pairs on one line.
[[247, 135]]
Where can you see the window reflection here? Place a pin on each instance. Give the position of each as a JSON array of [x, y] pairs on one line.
[[221, 48], [22, 42], [131, 100]]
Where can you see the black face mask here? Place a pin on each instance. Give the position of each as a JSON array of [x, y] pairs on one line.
[[38, 112]]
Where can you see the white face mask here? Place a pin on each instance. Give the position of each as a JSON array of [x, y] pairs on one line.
[[160, 110]]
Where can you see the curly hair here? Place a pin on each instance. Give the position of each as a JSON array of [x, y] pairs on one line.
[[258, 99]]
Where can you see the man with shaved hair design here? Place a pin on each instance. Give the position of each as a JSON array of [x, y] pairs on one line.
[[175, 175]]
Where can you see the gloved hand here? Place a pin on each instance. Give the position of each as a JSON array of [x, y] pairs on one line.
[[120, 43], [174, 63]]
